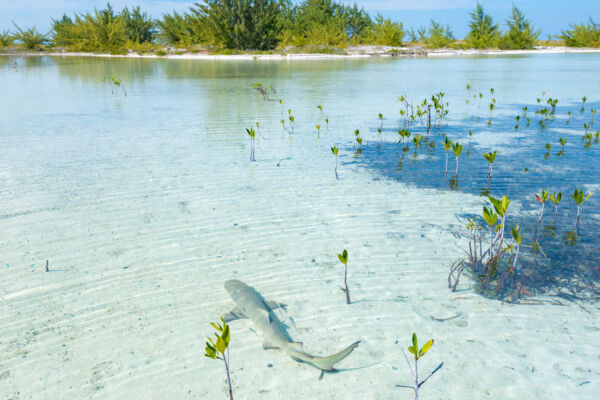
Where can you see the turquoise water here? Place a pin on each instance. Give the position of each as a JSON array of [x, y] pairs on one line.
[[145, 203]]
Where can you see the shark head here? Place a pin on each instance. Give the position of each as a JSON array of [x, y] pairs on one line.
[[234, 286]]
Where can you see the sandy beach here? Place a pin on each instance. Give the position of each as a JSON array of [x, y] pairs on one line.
[[351, 52]]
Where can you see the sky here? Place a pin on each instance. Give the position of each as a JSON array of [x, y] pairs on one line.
[[551, 16]]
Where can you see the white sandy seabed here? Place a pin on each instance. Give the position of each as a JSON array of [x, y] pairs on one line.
[[139, 245]]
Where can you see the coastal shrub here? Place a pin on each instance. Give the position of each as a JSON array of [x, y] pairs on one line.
[[184, 29], [521, 33], [438, 36], [582, 35], [103, 30], [324, 23], [483, 32], [243, 24], [418, 36], [385, 32], [30, 39], [6, 39], [139, 27]]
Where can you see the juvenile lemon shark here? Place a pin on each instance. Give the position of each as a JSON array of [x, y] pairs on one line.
[[250, 304]]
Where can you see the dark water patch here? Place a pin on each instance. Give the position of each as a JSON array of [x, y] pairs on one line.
[[556, 256]]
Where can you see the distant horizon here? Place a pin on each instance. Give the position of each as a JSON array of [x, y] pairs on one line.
[[550, 16]]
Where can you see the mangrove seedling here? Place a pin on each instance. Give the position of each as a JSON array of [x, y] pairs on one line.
[[583, 100], [252, 133], [327, 123], [562, 142], [343, 257], [491, 107], [264, 92], [552, 102], [334, 150], [320, 107], [380, 122], [548, 147], [457, 148], [542, 197], [359, 141], [447, 147], [417, 141], [517, 118], [579, 198], [417, 354], [588, 139], [117, 83], [516, 234], [490, 157], [501, 207], [219, 350], [291, 118], [490, 218], [555, 198], [318, 130], [404, 134]]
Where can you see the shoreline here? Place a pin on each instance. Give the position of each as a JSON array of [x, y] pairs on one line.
[[352, 52]]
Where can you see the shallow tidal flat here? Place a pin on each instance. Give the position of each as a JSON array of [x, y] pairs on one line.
[[145, 204]]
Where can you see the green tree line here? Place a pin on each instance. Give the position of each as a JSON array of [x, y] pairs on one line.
[[271, 24]]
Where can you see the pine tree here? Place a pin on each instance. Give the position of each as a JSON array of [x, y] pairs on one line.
[[521, 33], [484, 33]]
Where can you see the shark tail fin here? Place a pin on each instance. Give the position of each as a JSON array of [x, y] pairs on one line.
[[327, 363]]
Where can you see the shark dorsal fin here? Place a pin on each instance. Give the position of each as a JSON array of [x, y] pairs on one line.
[[296, 346], [273, 305], [235, 313]]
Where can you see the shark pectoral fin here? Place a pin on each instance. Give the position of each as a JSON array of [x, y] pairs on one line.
[[267, 344], [273, 305], [235, 313], [296, 346]]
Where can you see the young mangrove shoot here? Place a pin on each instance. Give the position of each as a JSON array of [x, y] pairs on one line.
[[343, 257], [417, 354], [447, 147], [115, 82], [457, 148], [219, 350], [548, 147], [252, 133], [562, 142], [334, 150], [517, 238], [555, 199], [579, 198], [542, 197], [490, 157]]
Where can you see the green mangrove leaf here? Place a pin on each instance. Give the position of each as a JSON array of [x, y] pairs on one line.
[[425, 348]]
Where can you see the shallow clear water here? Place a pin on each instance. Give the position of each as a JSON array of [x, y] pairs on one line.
[[145, 204]]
